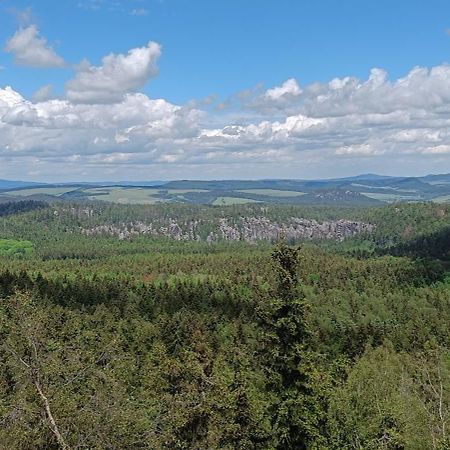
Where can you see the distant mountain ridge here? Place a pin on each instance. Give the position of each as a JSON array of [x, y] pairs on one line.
[[360, 190], [11, 184]]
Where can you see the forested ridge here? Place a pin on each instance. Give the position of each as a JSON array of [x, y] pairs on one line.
[[151, 342]]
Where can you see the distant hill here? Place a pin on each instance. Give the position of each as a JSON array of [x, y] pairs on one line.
[[113, 183], [442, 178], [235, 184], [338, 197], [365, 176], [363, 190], [10, 184]]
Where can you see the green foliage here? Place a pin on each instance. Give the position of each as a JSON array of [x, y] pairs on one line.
[[286, 355], [12, 247], [20, 206], [152, 343]]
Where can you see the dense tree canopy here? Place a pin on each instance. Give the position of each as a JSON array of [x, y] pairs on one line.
[[154, 343]]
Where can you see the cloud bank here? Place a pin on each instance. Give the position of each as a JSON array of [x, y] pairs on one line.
[[103, 127]]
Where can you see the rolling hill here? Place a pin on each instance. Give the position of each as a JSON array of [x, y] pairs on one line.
[[367, 189]]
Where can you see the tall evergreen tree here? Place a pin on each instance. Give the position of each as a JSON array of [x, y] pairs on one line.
[[286, 355]]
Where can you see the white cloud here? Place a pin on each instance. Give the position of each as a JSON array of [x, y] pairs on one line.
[[437, 150], [344, 125], [30, 49], [117, 75], [9, 98], [417, 135], [288, 88], [58, 129], [272, 100], [421, 88], [359, 150]]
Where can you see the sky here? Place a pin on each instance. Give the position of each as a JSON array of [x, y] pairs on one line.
[[110, 90]]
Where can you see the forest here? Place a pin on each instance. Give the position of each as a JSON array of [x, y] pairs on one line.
[[183, 326]]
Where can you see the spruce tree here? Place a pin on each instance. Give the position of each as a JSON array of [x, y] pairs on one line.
[[286, 356]]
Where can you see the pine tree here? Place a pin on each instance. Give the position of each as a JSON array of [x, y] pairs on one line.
[[286, 356]]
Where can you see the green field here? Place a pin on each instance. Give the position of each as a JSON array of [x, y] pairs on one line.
[[271, 192], [123, 195], [241, 192], [233, 201], [388, 188], [135, 195], [183, 191], [44, 190], [390, 197]]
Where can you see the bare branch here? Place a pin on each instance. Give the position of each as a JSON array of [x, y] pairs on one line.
[[61, 441]]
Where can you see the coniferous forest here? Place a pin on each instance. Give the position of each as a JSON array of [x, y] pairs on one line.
[[191, 327]]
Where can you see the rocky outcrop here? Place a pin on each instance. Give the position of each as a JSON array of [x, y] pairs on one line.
[[248, 229]]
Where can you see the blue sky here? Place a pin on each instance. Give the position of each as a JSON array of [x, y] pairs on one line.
[[223, 47], [215, 64]]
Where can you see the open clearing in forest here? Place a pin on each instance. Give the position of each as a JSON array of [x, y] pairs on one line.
[[118, 194], [233, 201], [390, 197], [272, 192], [15, 247]]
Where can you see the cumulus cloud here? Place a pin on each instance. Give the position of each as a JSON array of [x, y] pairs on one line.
[[287, 131], [9, 98], [59, 129], [31, 49], [288, 88], [117, 75]]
